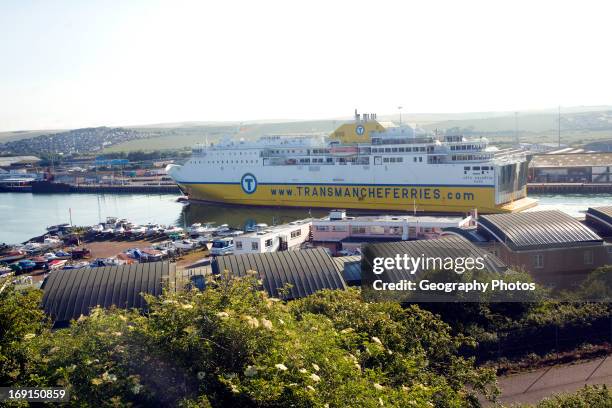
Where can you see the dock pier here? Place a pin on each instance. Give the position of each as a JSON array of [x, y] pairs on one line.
[[569, 188]]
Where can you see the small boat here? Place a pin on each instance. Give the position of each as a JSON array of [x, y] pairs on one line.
[[185, 244], [97, 228], [256, 227], [33, 246], [56, 264], [26, 265], [173, 230], [151, 255], [12, 256], [78, 265], [138, 230], [222, 246], [49, 256], [52, 242], [40, 261], [78, 253]]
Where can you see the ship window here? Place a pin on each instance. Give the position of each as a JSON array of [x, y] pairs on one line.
[[401, 150], [414, 159], [238, 244], [409, 149], [387, 150], [394, 150], [268, 243], [386, 160], [420, 159], [254, 245], [476, 168], [466, 167]]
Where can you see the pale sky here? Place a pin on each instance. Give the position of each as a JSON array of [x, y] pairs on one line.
[[66, 64]]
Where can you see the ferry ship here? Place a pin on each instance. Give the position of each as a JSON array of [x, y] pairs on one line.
[[364, 164]]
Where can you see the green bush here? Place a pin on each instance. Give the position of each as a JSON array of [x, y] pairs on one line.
[[587, 397], [231, 345]]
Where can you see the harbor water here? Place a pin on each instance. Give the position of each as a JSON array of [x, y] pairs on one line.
[[25, 215]]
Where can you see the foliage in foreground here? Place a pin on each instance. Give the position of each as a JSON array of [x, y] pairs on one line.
[[587, 397], [231, 345]]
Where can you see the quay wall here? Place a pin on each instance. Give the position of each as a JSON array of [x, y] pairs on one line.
[[569, 188]]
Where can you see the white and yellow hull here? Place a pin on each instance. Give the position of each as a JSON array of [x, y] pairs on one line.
[[432, 199]]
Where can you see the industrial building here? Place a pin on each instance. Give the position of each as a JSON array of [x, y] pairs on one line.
[[17, 162], [553, 246], [339, 232], [600, 219], [71, 293], [571, 168], [300, 273]]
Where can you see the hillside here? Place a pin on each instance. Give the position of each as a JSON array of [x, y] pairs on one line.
[[579, 125], [84, 140], [186, 136]]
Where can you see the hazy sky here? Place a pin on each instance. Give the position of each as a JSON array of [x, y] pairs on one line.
[[67, 64]]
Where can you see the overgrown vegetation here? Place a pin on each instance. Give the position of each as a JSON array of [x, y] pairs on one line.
[[591, 397], [514, 330], [231, 345]]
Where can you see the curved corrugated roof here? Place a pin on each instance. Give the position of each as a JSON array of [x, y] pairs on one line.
[[308, 270], [538, 229], [71, 293], [350, 266], [600, 218]]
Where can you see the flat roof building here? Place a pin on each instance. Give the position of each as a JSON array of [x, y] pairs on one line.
[[339, 232], [17, 161], [571, 168]]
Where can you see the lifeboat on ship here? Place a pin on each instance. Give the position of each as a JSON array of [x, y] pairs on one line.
[[344, 150]]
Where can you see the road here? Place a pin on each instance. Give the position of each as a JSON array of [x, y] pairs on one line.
[[529, 388]]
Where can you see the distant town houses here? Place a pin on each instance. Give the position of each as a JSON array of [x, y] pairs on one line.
[[73, 141]]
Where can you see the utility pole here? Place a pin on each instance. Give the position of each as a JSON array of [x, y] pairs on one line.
[[559, 129], [516, 133]]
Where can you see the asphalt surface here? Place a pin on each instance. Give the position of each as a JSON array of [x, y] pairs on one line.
[[529, 388]]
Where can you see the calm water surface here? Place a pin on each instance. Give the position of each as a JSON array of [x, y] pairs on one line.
[[25, 215]]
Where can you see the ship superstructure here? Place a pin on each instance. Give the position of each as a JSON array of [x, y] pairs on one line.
[[364, 164]]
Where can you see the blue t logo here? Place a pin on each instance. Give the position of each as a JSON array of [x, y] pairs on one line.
[[248, 183]]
